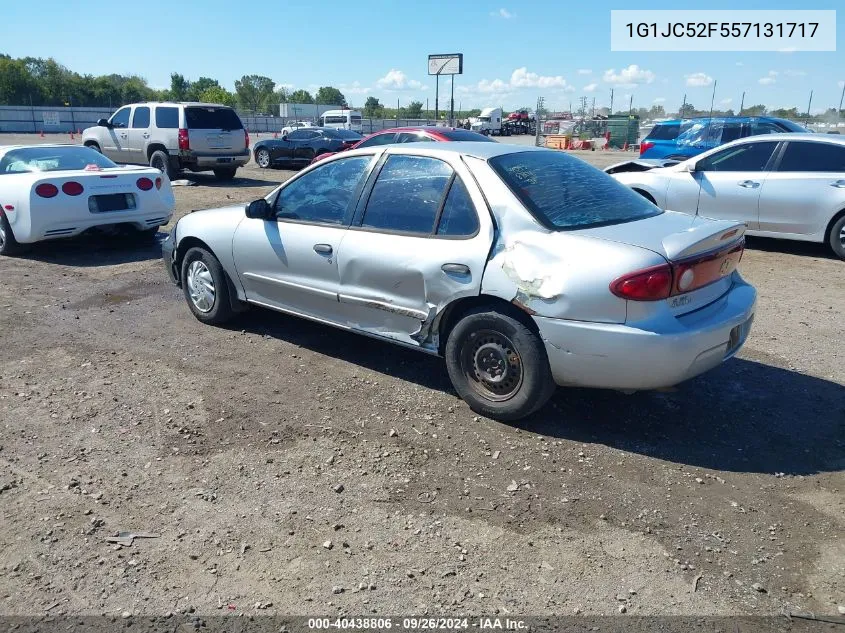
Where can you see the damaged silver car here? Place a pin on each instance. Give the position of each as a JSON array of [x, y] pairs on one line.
[[525, 268]]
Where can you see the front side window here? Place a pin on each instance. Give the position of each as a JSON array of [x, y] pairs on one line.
[[744, 157], [458, 218], [407, 195], [804, 156], [298, 135], [167, 118], [121, 117], [141, 118], [564, 193], [378, 139], [323, 195]]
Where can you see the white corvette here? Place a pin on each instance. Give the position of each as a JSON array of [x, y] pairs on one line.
[[52, 191]]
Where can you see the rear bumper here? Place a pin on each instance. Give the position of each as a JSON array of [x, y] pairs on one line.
[[45, 229], [207, 160], [615, 356]]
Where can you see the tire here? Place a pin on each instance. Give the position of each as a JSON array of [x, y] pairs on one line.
[[94, 146], [262, 158], [225, 174], [161, 161], [199, 269], [8, 244], [482, 344], [836, 237]]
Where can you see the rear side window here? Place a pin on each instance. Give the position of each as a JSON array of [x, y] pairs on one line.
[[564, 193], [167, 118], [412, 137], [199, 118], [731, 132], [764, 127], [299, 135], [802, 156], [664, 132], [744, 157], [408, 195], [141, 117], [458, 218], [465, 135]]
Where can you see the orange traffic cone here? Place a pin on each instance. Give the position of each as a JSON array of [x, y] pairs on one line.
[[78, 131], [42, 134], [625, 147], [275, 135], [71, 135]]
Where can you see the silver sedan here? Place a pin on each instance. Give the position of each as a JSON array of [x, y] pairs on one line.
[[789, 186], [525, 268]]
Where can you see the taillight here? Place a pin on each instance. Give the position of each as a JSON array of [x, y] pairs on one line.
[[246, 139], [158, 183], [696, 273], [645, 146], [46, 190], [184, 143], [650, 284], [144, 184], [72, 188]]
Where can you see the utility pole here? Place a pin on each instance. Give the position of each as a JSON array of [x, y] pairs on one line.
[[427, 113], [683, 107], [611, 101], [713, 98], [436, 96], [538, 121], [593, 114], [839, 111], [631, 105], [808, 106], [741, 104], [452, 104], [397, 111]]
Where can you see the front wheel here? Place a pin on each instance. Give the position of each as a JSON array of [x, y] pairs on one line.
[[205, 288], [837, 238], [262, 157], [498, 365], [8, 244]]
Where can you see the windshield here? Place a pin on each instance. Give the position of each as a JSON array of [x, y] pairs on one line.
[[199, 118], [564, 192], [40, 159], [464, 135]]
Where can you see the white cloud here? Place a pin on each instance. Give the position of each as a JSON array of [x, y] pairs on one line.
[[584, 71], [698, 80], [788, 49], [503, 13], [660, 100], [628, 77], [521, 78], [281, 84], [591, 87], [769, 79], [726, 102], [497, 86], [397, 80], [795, 73], [841, 84], [740, 64], [355, 88]]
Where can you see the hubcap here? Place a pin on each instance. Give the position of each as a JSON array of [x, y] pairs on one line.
[[201, 286], [492, 365], [842, 236], [2, 235], [263, 158]]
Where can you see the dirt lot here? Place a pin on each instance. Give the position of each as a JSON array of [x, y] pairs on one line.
[[292, 468]]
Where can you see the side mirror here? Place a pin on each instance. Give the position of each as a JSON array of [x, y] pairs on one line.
[[259, 209], [103, 123]]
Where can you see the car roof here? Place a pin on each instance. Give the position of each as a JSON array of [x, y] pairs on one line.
[[791, 136], [478, 149], [721, 118]]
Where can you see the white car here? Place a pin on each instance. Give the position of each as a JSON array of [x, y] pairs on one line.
[[788, 186], [290, 127], [52, 191]]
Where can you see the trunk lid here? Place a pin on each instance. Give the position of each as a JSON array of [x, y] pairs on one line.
[[214, 130]]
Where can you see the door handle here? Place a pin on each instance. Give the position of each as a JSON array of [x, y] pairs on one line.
[[323, 249], [748, 184], [839, 184], [455, 269], [146, 135]]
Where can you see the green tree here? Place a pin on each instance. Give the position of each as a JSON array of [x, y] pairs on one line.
[[784, 113], [17, 85], [179, 87], [755, 110], [217, 94], [300, 96], [686, 110], [200, 86], [414, 110], [330, 96], [254, 91], [372, 108], [282, 95], [474, 112]]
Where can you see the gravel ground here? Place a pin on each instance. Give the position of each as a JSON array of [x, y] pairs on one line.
[[292, 468]]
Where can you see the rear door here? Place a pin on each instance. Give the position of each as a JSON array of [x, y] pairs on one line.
[[115, 143], [138, 135], [806, 188], [420, 239], [730, 181], [214, 131]]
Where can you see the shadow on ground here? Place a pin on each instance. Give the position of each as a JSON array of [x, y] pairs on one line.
[[96, 250], [745, 416], [790, 247]]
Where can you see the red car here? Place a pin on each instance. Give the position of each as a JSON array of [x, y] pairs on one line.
[[413, 135]]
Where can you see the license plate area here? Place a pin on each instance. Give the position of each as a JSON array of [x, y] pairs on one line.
[[226, 159], [111, 202]]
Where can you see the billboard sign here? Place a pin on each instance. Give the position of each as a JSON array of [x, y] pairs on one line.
[[449, 64], [51, 119]]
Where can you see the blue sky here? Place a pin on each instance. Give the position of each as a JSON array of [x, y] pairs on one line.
[[513, 51]]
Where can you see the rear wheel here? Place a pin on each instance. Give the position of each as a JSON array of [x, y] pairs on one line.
[[205, 287], [225, 174], [836, 238], [8, 244], [262, 157], [498, 365], [161, 161]]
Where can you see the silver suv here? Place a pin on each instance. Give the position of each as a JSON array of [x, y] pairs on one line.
[[173, 137]]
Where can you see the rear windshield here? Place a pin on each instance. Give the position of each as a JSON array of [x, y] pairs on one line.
[[464, 135], [791, 126], [199, 118], [664, 132], [40, 159], [564, 192]]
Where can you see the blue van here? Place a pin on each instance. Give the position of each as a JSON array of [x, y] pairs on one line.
[[680, 139]]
